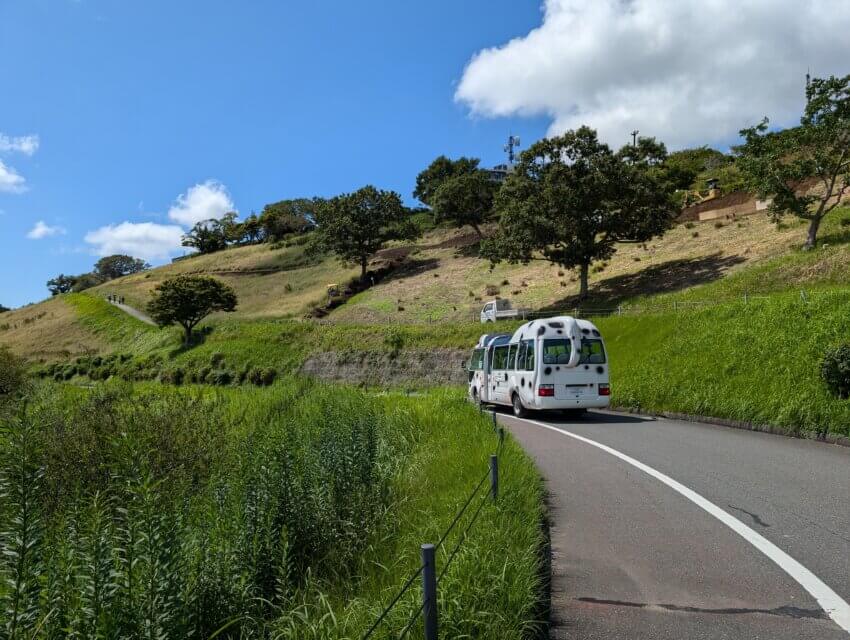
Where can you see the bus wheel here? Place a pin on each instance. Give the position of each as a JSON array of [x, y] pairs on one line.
[[519, 410]]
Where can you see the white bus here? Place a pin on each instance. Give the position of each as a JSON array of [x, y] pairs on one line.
[[552, 363]]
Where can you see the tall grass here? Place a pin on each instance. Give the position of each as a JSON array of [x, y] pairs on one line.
[[294, 512]]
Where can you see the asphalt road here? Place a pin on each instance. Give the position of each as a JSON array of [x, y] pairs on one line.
[[633, 557]]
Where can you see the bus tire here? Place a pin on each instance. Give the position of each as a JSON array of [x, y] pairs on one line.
[[519, 410]]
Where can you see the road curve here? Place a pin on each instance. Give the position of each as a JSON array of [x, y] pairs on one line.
[[635, 556]]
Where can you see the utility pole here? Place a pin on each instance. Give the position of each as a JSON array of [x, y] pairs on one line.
[[634, 138], [513, 143]]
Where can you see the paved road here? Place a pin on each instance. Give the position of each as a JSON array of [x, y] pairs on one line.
[[135, 313], [637, 557]]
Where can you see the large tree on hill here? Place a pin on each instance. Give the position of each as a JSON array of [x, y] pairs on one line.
[[440, 170], [355, 226], [775, 164], [465, 199], [4, 309], [186, 300], [571, 200], [207, 236], [118, 265], [286, 217], [61, 284]]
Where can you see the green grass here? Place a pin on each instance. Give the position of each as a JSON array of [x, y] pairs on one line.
[[758, 362], [295, 511]]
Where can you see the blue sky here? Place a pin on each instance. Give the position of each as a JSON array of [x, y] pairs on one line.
[[133, 103]]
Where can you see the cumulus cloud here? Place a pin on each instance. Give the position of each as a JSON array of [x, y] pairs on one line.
[[687, 72], [207, 200], [146, 240], [10, 180], [43, 230], [27, 145]]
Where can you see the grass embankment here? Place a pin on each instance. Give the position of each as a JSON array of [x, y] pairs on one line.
[[757, 362], [290, 512]]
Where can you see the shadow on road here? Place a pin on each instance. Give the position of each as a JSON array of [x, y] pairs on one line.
[[591, 417]]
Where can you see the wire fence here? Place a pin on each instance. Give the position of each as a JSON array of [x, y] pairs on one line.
[[427, 567]]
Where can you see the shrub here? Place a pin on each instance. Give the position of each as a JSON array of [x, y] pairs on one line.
[[221, 377], [255, 376], [695, 234], [718, 225], [689, 225], [269, 376], [835, 371], [203, 374], [491, 290], [12, 373], [394, 340], [844, 222], [216, 360]]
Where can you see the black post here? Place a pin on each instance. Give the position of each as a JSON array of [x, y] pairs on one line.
[[501, 435], [494, 476], [494, 420], [429, 591]]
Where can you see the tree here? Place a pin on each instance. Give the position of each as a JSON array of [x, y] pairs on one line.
[[571, 199], [118, 265], [356, 225], [465, 199], [4, 309], [186, 300], [207, 236], [286, 217], [61, 284], [440, 170], [86, 281], [777, 164], [250, 231]]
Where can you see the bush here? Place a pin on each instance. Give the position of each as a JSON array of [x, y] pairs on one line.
[[216, 360], [269, 376], [835, 371], [255, 376], [394, 340], [689, 225], [220, 377], [12, 373]]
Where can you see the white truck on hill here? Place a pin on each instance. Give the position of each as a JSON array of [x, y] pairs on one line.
[[501, 309], [553, 363]]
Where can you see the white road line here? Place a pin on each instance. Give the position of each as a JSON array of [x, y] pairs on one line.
[[831, 602]]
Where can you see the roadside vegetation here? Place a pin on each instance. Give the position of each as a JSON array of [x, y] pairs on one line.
[[290, 512]]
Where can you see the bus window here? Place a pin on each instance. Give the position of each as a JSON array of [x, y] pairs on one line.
[[500, 358], [529, 354], [476, 362], [520, 357], [511, 357], [592, 352], [556, 351]]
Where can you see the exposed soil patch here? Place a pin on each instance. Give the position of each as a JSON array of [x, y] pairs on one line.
[[420, 367]]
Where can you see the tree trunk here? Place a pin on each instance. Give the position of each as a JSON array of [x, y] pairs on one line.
[[582, 293], [812, 236], [477, 231], [187, 334], [364, 262]]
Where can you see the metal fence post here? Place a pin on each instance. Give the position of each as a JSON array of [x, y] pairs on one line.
[[494, 476], [429, 591], [495, 422], [501, 435]]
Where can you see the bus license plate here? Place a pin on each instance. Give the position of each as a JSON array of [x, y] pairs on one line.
[[576, 391]]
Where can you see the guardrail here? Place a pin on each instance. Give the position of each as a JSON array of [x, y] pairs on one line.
[[428, 555]]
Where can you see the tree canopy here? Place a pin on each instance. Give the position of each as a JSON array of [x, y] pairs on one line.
[[186, 300], [440, 170], [286, 217], [61, 284], [118, 265], [355, 226], [571, 199], [465, 199], [207, 236], [777, 164]]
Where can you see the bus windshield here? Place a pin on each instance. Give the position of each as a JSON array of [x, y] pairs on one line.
[[558, 351]]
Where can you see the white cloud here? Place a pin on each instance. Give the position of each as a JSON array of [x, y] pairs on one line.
[[43, 230], [207, 200], [688, 72], [27, 145], [146, 240], [10, 180]]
